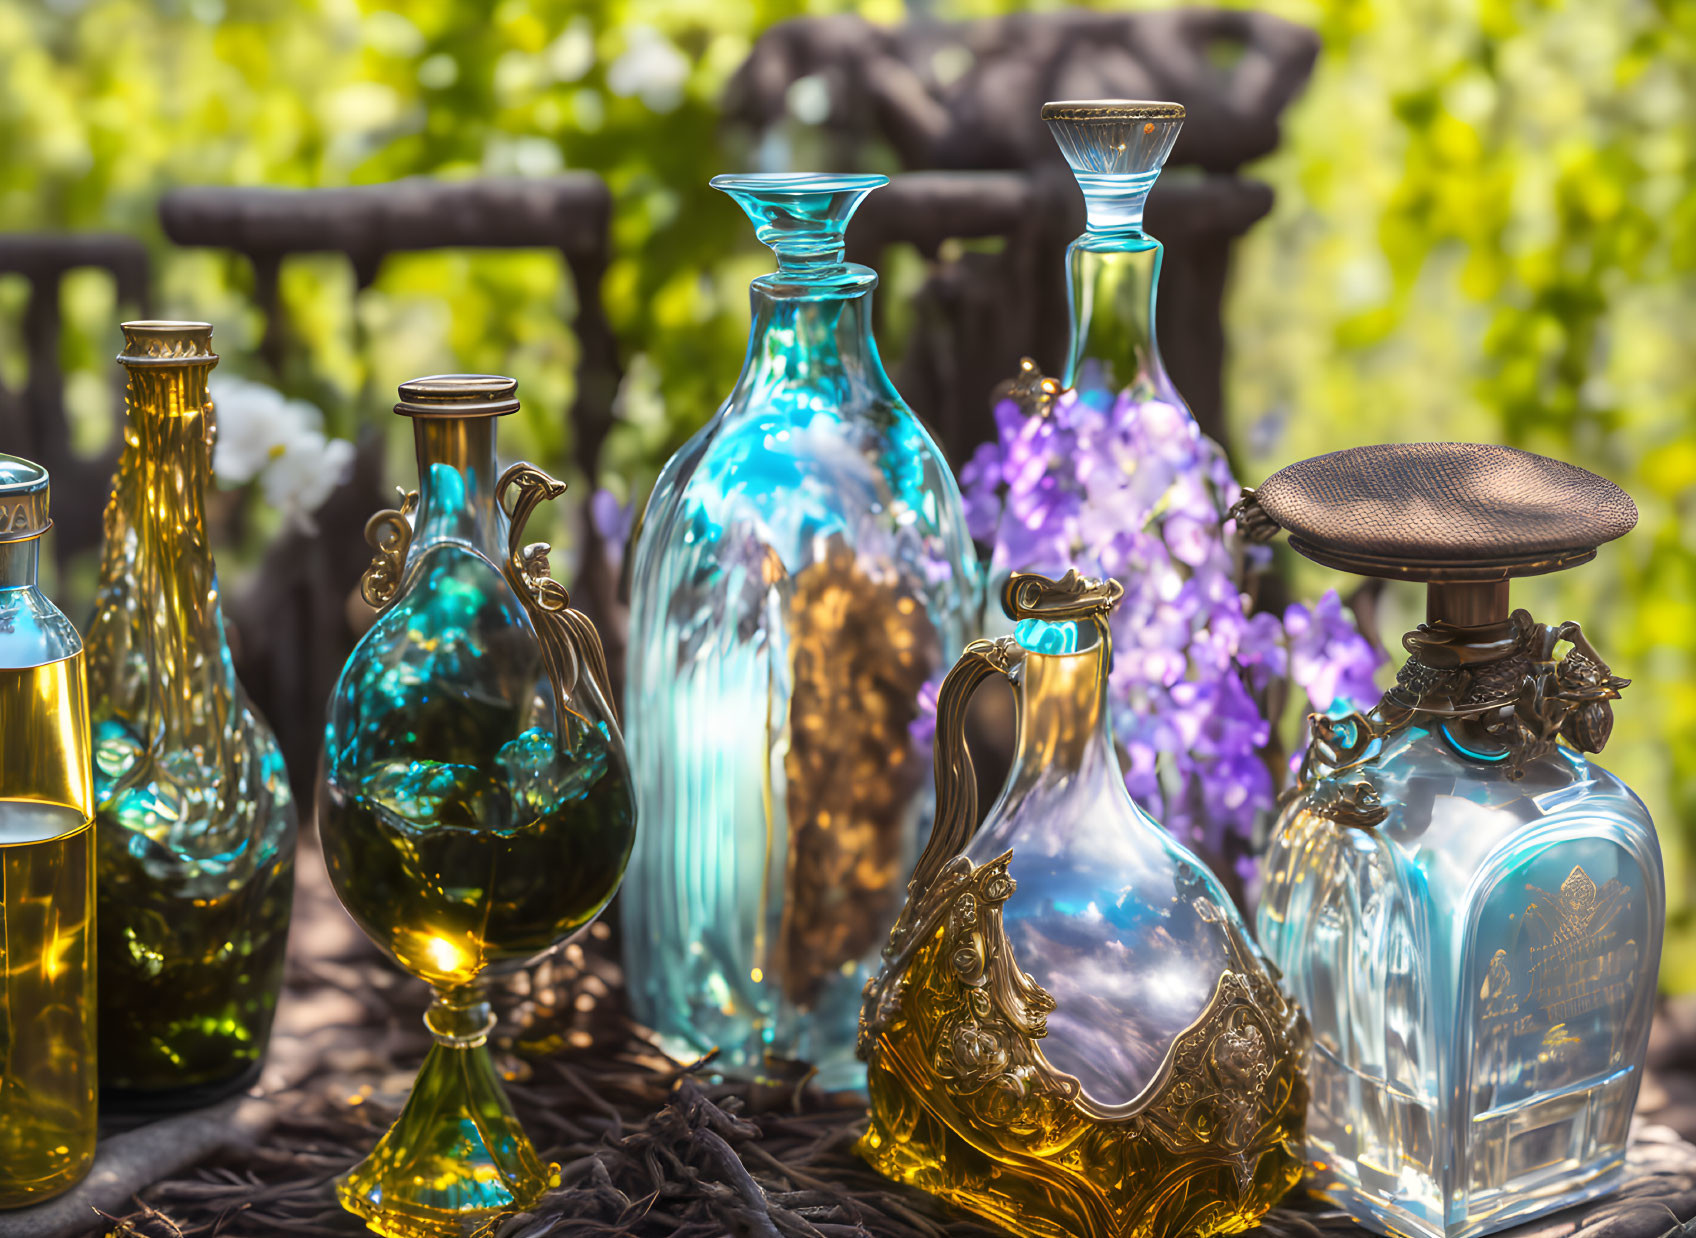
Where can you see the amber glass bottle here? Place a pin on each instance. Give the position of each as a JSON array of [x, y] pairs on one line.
[[195, 823]]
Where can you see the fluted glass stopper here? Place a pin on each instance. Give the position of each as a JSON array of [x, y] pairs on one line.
[[1116, 148], [801, 216]]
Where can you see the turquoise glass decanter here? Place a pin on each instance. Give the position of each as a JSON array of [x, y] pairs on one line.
[[1468, 907], [803, 567], [474, 802]]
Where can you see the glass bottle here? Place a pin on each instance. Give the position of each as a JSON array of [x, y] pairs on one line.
[[474, 801], [1468, 908], [1072, 1032], [47, 1019], [195, 825], [802, 568], [1110, 472]]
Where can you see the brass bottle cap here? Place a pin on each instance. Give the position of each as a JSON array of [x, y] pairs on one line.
[[23, 499], [458, 395], [1445, 512], [1109, 110], [156, 342]]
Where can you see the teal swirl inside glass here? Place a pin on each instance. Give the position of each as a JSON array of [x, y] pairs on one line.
[[803, 568]]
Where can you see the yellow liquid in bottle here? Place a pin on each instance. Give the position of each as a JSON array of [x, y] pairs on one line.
[[47, 1061]]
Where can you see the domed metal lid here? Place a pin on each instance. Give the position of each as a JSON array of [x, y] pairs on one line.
[[1446, 512], [458, 395], [23, 499]]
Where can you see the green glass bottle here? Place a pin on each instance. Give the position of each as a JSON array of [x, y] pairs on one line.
[[195, 825]]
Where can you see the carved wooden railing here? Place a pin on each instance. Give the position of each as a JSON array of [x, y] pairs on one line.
[[33, 418]]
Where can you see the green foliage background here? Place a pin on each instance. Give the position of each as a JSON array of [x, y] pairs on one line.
[[1486, 228]]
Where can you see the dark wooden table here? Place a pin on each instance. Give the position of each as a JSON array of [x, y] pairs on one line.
[[645, 1149]]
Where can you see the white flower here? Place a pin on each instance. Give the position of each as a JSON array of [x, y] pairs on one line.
[[651, 67], [298, 481], [262, 434]]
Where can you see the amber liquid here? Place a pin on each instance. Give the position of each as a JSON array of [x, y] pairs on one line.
[[475, 885], [47, 1060]]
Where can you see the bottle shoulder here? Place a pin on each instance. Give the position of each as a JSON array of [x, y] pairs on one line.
[[1457, 831], [777, 496], [1441, 800], [33, 631]]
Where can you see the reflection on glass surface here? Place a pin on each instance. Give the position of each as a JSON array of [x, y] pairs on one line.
[[1124, 927], [803, 568]]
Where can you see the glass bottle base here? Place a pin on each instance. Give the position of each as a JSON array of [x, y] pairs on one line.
[[1521, 1164], [454, 1160], [175, 1100], [1386, 1217], [16, 1194]]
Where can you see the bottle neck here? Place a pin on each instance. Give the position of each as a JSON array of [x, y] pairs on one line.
[[812, 335], [19, 563], [1063, 720], [157, 641], [1468, 605], [457, 474], [1113, 281]]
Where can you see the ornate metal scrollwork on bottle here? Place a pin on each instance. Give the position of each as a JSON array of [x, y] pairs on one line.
[[967, 1101], [570, 643], [1032, 391], [389, 533], [1503, 690]]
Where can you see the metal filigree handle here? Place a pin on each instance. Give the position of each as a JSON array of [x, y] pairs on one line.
[[389, 533], [570, 643], [956, 818], [1072, 598]]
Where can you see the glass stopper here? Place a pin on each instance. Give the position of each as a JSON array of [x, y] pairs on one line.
[[801, 216], [1116, 148]]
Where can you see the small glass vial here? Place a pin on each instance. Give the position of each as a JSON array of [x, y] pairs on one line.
[[47, 1062], [1469, 909]]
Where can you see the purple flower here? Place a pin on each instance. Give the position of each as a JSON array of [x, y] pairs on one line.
[[612, 521], [1331, 661], [922, 729], [1127, 486]]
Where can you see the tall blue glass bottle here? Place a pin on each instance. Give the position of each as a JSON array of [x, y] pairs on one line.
[[1467, 906], [803, 568]]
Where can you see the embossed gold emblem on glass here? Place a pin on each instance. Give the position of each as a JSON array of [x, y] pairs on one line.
[[1072, 1033]]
